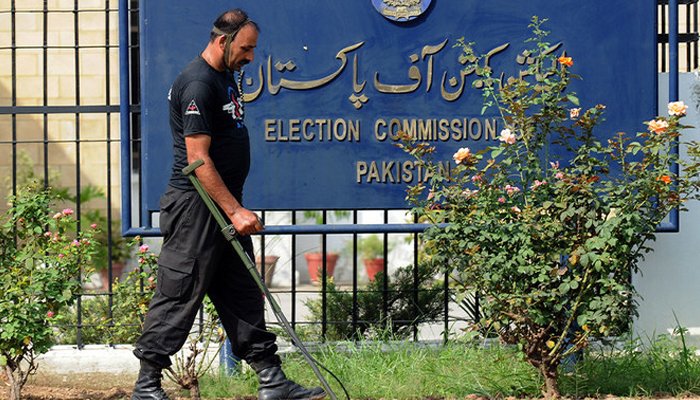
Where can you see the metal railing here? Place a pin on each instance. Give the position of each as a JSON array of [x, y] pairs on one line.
[[687, 35], [69, 132]]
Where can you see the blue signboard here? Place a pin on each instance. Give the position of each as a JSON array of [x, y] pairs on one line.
[[334, 81]]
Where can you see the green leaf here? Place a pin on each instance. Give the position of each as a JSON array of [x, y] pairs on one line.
[[564, 288], [573, 99], [3, 360]]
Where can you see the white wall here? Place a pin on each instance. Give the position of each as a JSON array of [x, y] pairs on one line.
[[669, 280]]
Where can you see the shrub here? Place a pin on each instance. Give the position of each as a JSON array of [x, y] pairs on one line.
[[41, 266], [121, 320], [406, 308], [550, 244]]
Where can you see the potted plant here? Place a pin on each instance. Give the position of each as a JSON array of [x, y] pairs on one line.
[[315, 259], [270, 263], [314, 264], [371, 250]]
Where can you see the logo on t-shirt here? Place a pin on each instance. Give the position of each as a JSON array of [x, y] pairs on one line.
[[192, 109], [235, 107]]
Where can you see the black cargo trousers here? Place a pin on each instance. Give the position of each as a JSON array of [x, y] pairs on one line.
[[195, 260]]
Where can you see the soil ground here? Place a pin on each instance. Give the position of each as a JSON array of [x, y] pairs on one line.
[[92, 386], [102, 386]]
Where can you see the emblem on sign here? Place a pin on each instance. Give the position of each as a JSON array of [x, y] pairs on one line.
[[401, 10]]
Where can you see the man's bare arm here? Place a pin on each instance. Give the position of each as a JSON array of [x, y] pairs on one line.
[[244, 220]]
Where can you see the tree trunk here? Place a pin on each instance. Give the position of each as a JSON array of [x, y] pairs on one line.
[[15, 391], [14, 385], [551, 387], [194, 390]]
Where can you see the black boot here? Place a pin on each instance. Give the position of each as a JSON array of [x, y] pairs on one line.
[[148, 383], [274, 385]]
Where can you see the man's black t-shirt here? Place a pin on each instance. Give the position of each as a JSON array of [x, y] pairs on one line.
[[204, 100]]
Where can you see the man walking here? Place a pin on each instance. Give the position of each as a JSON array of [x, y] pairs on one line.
[[206, 119]]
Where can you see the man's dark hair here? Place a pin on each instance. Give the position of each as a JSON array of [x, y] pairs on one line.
[[230, 22]]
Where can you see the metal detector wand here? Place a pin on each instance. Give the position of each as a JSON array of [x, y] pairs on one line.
[[231, 235]]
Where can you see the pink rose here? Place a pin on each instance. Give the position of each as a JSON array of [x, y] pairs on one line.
[[512, 189], [507, 136], [462, 155], [574, 113], [538, 184], [658, 126], [677, 108]]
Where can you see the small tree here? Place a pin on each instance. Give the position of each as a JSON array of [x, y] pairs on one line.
[[550, 245], [191, 365], [41, 259]]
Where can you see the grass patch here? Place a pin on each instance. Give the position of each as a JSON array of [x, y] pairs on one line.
[[662, 367], [404, 370]]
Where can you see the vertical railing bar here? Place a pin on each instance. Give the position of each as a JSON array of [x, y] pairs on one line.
[[385, 287], [477, 306], [687, 30], [673, 81], [355, 308], [416, 266], [201, 322], [663, 31], [108, 145], [294, 272], [45, 88], [446, 309], [695, 31], [13, 45], [673, 49], [324, 286], [263, 266], [125, 116], [13, 56], [137, 140], [76, 36]]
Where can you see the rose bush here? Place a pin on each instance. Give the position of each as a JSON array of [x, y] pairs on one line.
[[42, 264], [548, 239]]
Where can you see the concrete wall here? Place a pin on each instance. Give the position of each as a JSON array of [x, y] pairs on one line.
[[669, 280]]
